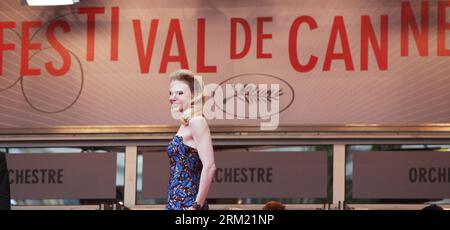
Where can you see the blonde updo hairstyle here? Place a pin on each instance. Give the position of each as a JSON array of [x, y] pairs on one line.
[[195, 84]]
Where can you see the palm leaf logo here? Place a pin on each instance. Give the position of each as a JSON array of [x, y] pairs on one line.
[[252, 94]]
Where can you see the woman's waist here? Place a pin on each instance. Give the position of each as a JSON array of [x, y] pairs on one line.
[[176, 186], [183, 175]]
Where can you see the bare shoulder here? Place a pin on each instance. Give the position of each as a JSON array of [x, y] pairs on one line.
[[197, 124], [197, 121]]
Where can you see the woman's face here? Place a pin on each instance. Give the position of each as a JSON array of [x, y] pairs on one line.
[[179, 95]]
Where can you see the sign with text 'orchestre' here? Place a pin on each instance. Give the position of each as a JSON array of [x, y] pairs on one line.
[[248, 174], [62, 175], [106, 63], [401, 175]]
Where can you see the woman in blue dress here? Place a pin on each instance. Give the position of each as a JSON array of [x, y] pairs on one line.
[[190, 152]]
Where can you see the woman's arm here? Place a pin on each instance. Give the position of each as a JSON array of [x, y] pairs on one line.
[[202, 138]]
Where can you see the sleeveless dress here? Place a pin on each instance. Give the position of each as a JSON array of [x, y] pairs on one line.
[[185, 170]]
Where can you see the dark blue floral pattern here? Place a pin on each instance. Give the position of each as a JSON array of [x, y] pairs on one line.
[[185, 170]]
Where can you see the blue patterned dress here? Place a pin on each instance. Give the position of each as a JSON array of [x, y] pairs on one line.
[[185, 170]]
